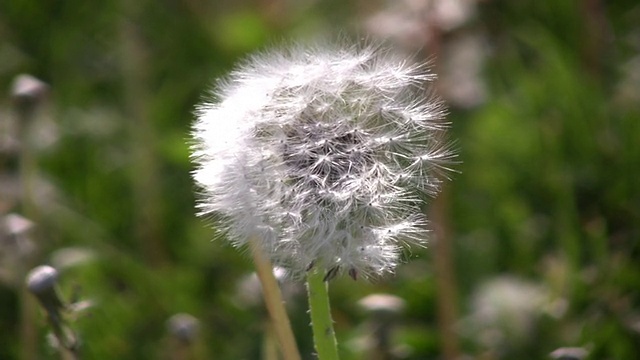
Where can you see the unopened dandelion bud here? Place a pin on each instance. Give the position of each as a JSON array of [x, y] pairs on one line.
[[27, 92], [324, 153], [28, 88], [569, 353], [382, 304], [16, 225], [384, 310], [41, 281], [184, 327]]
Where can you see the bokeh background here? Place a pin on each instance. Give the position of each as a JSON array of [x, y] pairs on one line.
[[536, 240]]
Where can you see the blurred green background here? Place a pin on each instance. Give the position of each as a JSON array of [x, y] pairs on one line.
[[536, 241]]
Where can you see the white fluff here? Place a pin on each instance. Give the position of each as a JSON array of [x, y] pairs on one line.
[[323, 152]]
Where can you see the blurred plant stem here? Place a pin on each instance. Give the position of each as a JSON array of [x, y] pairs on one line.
[[274, 302], [324, 336], [269, 343], [28, 333], [598, 37], [442, 254], [446, 293], [26, 106], [28, 330], [145, 176]]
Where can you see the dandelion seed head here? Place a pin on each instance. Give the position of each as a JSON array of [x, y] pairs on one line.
[[323, 153]]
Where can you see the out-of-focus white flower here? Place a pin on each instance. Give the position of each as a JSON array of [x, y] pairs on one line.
[[446, 26], [412, 22], [505, 312], [324, 153]]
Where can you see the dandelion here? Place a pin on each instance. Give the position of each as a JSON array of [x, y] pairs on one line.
[[324, 154], [41, 281]]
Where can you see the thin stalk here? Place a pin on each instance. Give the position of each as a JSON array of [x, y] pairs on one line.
[[444, 264], [274, 303], [146, 201], [28, 306], [324, 336], [269, 343], [26, 113], [443, 256], [28, 331]]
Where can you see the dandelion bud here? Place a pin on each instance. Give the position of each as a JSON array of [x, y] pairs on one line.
[[183, 327], [324, 153], [27, 92], [384, 310], [382, 304], [569, 353], [27, 88], [41, 281]]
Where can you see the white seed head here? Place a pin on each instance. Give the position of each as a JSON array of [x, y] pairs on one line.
[[324, 153]]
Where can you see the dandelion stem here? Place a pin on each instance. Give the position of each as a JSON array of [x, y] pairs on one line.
[[323, 334], [274, 303]]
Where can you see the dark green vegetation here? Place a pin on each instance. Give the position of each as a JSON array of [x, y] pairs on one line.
[[542, 220]]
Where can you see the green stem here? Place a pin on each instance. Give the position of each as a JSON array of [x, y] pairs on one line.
[[324, 336]]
